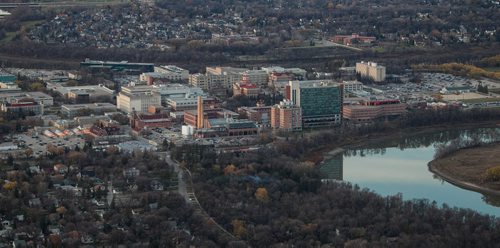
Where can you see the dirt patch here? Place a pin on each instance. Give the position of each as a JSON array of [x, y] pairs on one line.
[[469, 165]]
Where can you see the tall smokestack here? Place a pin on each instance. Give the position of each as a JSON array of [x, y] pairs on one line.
[[199, 123]]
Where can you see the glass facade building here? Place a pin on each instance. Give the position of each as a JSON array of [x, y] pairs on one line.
[[321, 102]]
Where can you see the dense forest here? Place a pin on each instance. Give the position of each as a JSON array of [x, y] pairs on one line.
[[275, 197], [268, 199]]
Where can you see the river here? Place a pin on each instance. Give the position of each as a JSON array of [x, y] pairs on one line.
[[400, 166]]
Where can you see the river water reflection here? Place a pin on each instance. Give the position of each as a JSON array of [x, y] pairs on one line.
[[400, 166]]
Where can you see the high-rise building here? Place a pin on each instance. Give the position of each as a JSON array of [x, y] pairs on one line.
[[371, 70], [320, 101], [137, 98], [286, 116]]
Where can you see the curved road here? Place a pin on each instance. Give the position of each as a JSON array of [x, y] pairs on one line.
[[187, 191]]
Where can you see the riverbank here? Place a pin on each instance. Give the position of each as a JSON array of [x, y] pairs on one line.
[[465, 168], [376, 138]]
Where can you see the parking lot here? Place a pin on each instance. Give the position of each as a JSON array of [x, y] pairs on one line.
[[431, 85], [38, 143]]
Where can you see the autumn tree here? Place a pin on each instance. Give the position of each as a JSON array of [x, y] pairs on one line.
[[239, 229], [262, 195]]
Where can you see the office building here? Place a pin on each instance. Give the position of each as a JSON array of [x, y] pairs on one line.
[[165, 74], [259, 114], [298, 73], [371, 110], [170, 91], [38, 97], [190, 102], [258, 77], [172, 72], [246, 89], [7, 79], [154, 118], [371, 70], [347, 73], [148, 94], [22, 106], [72, 110], [352, 86], [320, 101], [83, 93], [191, 116], [286, 116], [139, 99]]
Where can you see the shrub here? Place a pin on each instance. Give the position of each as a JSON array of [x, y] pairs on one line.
[[492, 174]]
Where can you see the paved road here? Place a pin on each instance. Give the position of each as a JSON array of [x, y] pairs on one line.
[[180, 176], [187, 191], [109, 197]]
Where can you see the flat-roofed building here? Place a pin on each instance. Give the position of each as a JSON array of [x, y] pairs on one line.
[[298, 73], [38, 97], [188, 103], [191, 116], [352, 86], [83, 93], [72, 110], [218, 70], [7, 77], [177, 91], [353, 39], [23, 106], [320, 101], [246, 89], [173, 72], [227, 127], [347, 73], [258, 77], [211, 82], [140, 121], [154, 78], [88, 121], [259, 114], [146, 95], [372, 110], [286, 116], [137, 98], [371, 70], [118, 66]]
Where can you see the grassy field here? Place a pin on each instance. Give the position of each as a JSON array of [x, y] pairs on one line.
[[469, 165]]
